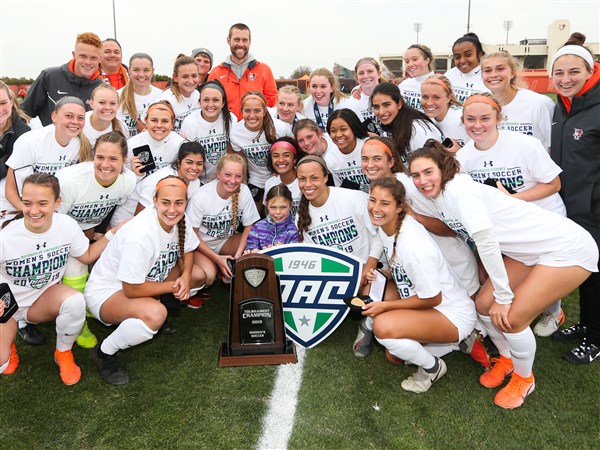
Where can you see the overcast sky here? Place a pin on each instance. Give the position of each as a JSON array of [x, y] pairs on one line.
[[285, 34]]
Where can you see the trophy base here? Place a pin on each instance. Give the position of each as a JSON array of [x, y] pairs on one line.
[[228, 360]]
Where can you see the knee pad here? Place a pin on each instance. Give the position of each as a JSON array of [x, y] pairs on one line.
[[71, 315]]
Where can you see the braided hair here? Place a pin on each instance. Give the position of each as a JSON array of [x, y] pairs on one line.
[[397, 191]]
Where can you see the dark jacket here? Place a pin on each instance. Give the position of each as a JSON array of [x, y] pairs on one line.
[[265, 233], [7, 141], [575, 147], [53, 84]]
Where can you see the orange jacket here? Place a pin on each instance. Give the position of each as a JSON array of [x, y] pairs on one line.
[[257, 77]]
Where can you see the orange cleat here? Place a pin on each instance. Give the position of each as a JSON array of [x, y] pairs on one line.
[[70, 373], [494, 377], [13, 361], [513, 394]]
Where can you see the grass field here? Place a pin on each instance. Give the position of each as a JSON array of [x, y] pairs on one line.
[[179, 398]]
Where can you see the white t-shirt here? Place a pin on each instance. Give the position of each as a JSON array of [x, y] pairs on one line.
[[92, 134], [529, 113], [293, 187], [164, 152], [366, 116], [257, 150], [452, 126], [39, 149], [347, 167], [85, 200], [518, 161], [213, 215], [212, 136], [458, 254], [466, 84], [420, 269], [343, 223], [182, 108], [309, 110], [33, 262], [411, 90], [524, 231], [142, 102], [140, 251]]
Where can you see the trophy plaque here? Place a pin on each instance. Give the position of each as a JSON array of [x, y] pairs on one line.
[[256, 326]]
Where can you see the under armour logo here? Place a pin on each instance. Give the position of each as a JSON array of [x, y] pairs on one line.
[[104, 197], [40, 246], [256, 140], [351, 163], [62, 158], [324, 218], [213, 131], [488, 164], [469, 85]]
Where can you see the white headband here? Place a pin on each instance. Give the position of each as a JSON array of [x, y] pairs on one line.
[[576, 50]]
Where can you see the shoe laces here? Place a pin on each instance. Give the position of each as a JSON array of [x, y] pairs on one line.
[[518, 386], [502, 364]]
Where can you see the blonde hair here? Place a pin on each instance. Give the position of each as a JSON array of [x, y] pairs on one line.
[[128, 94], [116, 125], [291, 90], [453, 100], [333, 81], [85, 148], [235, 158], [516, 81]]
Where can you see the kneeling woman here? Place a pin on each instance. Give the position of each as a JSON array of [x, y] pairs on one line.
[[33, 239], [151, 256], [431, 305], [533, 258]]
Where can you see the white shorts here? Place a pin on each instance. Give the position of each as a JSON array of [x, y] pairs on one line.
[[21, 314], [462, 315], [94, 301]]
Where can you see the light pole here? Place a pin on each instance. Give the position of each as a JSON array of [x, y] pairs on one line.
[[418, 29], [507, 26], [114, 20], [469, 17]]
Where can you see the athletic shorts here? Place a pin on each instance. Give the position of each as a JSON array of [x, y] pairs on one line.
[[94, 301], [462, 315]]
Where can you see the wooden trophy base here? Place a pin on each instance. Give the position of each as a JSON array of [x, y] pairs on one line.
[[228, 360]]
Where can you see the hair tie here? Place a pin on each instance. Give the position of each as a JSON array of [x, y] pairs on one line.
[[283, 144], [477, 98], [170, 181], [381, 145], [439, 83]]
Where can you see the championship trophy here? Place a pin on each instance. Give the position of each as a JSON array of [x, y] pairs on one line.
[[256, 326]]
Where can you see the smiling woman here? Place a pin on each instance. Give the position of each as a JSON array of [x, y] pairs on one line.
[[50, 148], [103, 116]]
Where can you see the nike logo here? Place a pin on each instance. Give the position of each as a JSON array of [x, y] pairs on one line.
[[554, 123], [59, 92], [222, 76]]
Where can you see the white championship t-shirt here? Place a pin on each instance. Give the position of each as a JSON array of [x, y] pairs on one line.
[[183, 107]]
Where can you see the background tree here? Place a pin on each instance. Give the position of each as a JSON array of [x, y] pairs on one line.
[[300, 71]]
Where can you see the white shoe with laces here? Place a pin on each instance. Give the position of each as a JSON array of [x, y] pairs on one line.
[[422, 380], [549, 323]]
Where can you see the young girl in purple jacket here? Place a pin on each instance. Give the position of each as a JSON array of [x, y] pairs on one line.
[[278, 227]]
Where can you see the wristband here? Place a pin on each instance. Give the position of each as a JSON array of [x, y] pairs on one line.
[[109, 235]]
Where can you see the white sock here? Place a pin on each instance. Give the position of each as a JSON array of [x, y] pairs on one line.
[[554, 308], [440, 350], [522, 349], [410, 351], [69, 321], [131, 332], [495, 335]]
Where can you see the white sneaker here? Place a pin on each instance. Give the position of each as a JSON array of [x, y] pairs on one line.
[[363, 342], [549, 323], [421, 381]]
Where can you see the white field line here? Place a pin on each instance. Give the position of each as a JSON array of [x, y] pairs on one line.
[[278, 423]]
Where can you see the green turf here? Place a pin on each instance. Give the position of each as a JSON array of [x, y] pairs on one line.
[[179, 398]]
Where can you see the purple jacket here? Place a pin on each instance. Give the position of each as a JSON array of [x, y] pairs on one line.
[[265, 233]]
